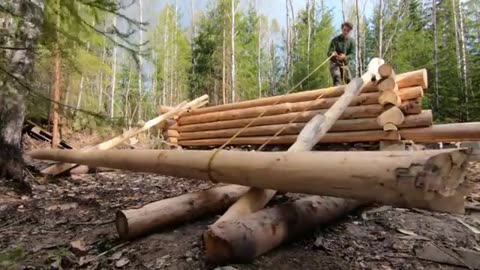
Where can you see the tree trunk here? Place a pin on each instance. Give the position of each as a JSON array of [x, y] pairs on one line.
[[380, 31], [435, 56], [432, 179], [140, 65], [114, 73], [18, 66], [174, 211], [55, 96], [233, 51]]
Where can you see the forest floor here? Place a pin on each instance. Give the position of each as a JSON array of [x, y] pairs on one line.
[[37, 230]]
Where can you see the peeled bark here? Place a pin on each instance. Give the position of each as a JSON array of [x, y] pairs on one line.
[[321, 103], [437, 133], [408, 79], [174, 211], [423, 119], [431, 179], [354, 112]]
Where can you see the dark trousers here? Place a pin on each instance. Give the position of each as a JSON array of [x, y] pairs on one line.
[[340, 73]]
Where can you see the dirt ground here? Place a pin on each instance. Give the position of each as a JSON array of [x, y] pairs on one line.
[[36, 230]]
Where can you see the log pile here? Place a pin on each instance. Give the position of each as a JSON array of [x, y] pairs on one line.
[[394, 103]]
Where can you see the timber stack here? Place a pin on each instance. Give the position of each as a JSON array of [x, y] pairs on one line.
[[388, 110]]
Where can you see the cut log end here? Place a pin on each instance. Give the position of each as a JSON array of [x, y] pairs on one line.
[[390, 127], [121, 222], [386, 71], [387, 84], [217, 250]]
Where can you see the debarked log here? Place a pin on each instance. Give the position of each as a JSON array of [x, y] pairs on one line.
[[431, 179]]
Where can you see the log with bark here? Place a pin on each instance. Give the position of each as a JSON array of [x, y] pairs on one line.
[[244, 239], [322, 103], [174, 211], [431, 179], [409, 79], [437, 133], [424, 119], [62, 167], [365, 111]]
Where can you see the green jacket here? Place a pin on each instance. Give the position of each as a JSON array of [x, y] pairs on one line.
[[342, 45]]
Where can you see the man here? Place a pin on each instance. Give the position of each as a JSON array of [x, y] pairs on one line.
[[342, 50]]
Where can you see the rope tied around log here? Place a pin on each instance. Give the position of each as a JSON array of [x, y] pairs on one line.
[[214, 154]]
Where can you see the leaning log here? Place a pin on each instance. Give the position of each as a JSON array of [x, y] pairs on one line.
[[62, 167], [322, 103], [365, 111], [243, 239], [408, 79], [437, 133], [424, 119], [431, 180], [174, 211]]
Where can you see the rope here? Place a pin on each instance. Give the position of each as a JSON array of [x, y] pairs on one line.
[[210, 160]]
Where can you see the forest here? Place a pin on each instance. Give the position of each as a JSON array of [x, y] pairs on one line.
[[231, 51]]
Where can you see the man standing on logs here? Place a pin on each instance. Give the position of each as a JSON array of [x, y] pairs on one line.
[[342, 50]]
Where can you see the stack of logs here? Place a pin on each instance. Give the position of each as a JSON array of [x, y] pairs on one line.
[[394, 103]]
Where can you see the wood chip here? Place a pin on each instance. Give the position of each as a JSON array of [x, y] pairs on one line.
[[468, 226], [79, 247], [122, 262]]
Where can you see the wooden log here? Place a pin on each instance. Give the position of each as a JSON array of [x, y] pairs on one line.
[[423, 119], [437, 133], [323, 103], [409, 79], [364, 111], [392, 115], [244, 239], [390, 97], [174, 211], [431, 180], [255, 199], [62, 167], [171, 133], [386, 71], [387, 84], [172, 140]]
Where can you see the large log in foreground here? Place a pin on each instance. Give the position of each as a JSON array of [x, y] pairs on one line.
[[315, 104], [413, 106], [243, 239], [431, 180], [437, 133], [423, 119], [173, 211], [408, 79]]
